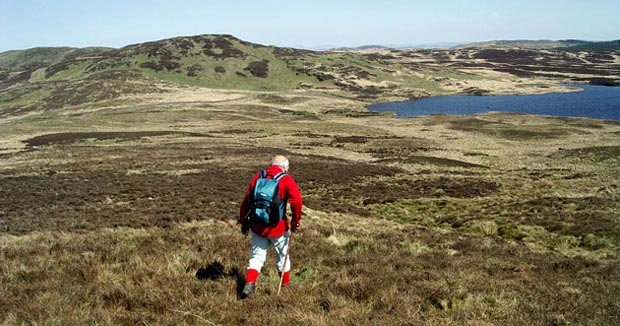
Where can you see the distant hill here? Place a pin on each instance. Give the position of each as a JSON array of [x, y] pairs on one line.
[[52, 78], [204, 60], [17, 60], [360, 48], [594, 46], [525, 44], [439, 45]]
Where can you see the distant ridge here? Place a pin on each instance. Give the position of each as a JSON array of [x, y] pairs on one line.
[[43, 56], [439, 45], [594, 46], [526, 44], [560, 45], [360, 48]]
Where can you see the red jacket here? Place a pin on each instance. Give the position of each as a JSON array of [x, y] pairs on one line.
[[288, 192]]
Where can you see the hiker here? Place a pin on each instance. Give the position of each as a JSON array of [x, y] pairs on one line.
[[268, 232]]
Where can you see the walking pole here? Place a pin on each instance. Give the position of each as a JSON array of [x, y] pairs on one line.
[[288, 250]]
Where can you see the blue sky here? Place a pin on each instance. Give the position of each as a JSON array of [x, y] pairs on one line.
[[302, 24]]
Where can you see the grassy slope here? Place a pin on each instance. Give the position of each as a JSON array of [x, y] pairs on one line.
[[24, 59], [492, 219], [113, 209]]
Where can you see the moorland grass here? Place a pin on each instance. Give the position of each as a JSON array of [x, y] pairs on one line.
[[131, 227]]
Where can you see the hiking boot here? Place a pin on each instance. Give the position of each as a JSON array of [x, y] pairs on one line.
[[248, 290]]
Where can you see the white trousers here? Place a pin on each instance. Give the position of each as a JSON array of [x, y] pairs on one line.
[[258, 253]]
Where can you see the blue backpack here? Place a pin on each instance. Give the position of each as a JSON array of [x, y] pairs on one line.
[[266, 205]]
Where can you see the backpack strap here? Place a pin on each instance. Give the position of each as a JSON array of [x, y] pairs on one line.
[[279, 176]]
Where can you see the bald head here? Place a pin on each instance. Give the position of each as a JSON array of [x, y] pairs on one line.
[[281, 161]]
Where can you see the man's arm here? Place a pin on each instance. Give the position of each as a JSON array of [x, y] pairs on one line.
[[294, 198], [243, 210]]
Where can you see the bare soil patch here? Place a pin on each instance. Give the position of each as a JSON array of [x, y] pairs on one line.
[[258, 69], [597, 154], [569, 216], [438, 161], [73, 137]]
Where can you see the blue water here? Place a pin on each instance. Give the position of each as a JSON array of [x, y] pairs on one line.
[[597, 102]]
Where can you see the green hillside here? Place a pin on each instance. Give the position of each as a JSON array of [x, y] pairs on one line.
[[36, 57], [216, 61], [32, 59], [49, 78]]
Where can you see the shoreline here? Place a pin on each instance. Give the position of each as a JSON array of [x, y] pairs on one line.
[[400, 108]]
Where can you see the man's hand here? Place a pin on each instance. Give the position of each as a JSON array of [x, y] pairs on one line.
[[245, 228], [295, 226]]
